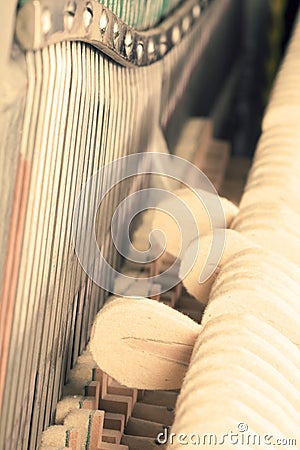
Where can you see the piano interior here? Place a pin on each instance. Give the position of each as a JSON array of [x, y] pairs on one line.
[[150, 224]]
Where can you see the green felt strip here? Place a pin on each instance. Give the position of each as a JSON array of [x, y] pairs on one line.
[[141, 14]]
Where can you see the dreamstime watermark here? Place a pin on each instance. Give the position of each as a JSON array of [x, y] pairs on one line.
[[172, 169], [241, 437]]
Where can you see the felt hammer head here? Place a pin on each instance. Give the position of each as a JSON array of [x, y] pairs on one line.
[[142, 343]]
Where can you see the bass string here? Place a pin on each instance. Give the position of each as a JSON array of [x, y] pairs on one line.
[[76, 125]]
